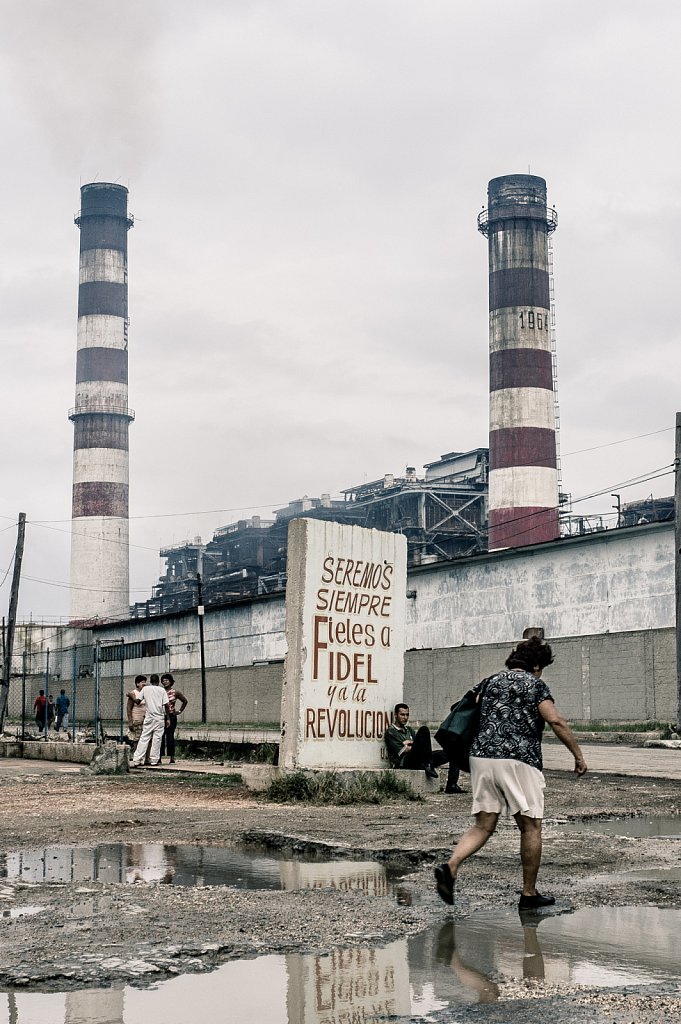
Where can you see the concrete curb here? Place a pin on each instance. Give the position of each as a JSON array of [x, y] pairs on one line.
[[52, 750]]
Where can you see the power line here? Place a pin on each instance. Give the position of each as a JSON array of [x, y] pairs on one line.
[[94, 590], [106, 540], [280, 504], [177, 515], [623, 440], [655, 474]]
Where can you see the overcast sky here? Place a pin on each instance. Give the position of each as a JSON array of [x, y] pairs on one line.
[[308, 291]]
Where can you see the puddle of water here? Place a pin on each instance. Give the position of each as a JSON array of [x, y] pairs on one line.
[[453, 963], [191, 865], [668, 827]]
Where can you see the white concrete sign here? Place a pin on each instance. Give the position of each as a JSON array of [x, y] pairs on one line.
[[345, 613]]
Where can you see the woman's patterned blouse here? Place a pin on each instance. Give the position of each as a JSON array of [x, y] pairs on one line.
[[510, 723]]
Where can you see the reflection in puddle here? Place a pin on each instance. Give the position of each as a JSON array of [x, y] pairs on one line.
[[190, 865], [668, 827], [452, 964]]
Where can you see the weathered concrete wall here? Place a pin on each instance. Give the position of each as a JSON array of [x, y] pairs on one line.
[[624, 677], [248, 694], [621, 677], [618, 581]]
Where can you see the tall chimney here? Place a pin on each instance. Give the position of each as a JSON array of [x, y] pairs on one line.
[[523, 478], [99, 531]]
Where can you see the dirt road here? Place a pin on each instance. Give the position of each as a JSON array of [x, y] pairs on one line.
[[100, 932]]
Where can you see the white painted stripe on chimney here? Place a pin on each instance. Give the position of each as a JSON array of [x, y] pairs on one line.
[[99, 585], [521, 407], [518, 486], [107, 393], [101, 396], [102, 265], [505, 330], [97, 330], [100, 465]]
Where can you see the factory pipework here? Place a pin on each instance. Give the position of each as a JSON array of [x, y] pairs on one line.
[[101, 417], [523, 474]]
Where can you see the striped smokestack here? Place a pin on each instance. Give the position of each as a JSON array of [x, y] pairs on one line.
[[523, 479], [99, 533]]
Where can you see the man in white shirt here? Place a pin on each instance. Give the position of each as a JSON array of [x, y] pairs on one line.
[[155, 700]]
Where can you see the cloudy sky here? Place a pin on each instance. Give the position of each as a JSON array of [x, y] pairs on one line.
[[308, 291]]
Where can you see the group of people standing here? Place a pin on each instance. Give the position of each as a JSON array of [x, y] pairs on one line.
[[49, 712], [153, 706]]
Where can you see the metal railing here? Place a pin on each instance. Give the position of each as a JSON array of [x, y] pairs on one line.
[[108, 408], [532, 211]]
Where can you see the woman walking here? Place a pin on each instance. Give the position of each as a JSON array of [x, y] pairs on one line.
[[506, 765]]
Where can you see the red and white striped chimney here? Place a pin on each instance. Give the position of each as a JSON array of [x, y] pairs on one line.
[[99, 531], [523, 478]]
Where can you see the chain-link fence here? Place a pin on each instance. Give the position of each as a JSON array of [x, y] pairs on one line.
[[73, 692]]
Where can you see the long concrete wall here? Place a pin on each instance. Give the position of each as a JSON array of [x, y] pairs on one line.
[[618, 677], [605, 601]]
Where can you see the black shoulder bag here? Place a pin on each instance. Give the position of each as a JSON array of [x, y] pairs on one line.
[[460, 727]]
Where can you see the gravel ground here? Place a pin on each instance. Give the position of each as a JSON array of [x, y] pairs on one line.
[[97, 933]]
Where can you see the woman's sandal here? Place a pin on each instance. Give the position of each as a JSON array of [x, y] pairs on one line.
[[445, 883]]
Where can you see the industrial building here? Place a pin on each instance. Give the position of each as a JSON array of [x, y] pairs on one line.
[[442, 514], [605, 600]]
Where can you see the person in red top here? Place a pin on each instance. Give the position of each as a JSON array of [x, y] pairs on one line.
[[172, 711], [40, 710]]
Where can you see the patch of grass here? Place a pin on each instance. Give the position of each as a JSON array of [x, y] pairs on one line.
[[251, 753], [336, 788], [209, 781], [170, 779]]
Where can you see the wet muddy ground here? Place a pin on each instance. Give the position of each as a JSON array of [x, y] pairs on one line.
[[134, 928]]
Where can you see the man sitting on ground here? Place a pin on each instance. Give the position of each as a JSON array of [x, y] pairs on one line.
[[413, 750]]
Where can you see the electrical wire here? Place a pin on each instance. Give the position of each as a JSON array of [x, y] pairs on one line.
[[177, 515], [609, 444], [94, 590], [73, 533], [282, 504], [11, 562], [526, 516]]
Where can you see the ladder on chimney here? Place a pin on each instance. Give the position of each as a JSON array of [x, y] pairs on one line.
[[554, 361]]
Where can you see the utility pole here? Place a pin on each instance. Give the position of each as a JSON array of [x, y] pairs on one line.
[[12, 618], [677, 563], [199, 611]]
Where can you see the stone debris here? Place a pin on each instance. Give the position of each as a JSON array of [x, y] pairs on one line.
[[110, 758]]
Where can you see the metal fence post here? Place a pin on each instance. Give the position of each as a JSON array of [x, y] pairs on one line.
[[47, 693], [73, 691], [122, 682], [23, 695], [97, 693]]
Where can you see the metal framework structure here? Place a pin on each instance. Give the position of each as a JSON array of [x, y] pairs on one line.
[[443, 516]]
